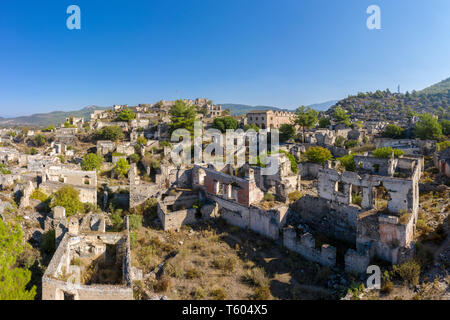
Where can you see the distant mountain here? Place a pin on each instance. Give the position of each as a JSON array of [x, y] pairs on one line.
[[324, 106], [440, 87], [241, 109], [46, 119]]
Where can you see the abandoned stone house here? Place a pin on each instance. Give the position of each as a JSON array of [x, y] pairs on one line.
[[89, 263], [380, 223], [442, 161], [54, 177], [269, 119], [408, 146]]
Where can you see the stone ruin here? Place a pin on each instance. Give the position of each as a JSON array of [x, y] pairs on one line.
[[89, 263]]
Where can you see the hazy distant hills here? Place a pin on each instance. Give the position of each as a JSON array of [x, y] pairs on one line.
[[440, 87], [46, 119], [240, 109], [58, 117]]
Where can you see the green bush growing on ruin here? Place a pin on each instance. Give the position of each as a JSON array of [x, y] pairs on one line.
[[387, 152], [3, 169], [13, 279], [441, 146], [293, 161], [112, 133], [394, 132], [348, 162], [122, 167], [269, 197], [91, 161], [318, 155], [48, 244], [351, 144], [428, 127], [39, 195], [135, 221], [126, 115], [69, 198], [295, 195]]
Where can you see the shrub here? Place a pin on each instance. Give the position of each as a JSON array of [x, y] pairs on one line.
[[91, 161], [318, 155], [39, 140], [295, 195], [387, 152], [135, 158], [294, 163], [324, 123], [198, 293], [135, 221], [117, 222], [163, 284], [3, 169], [122, 167], [257, 277], [225, 264], [39, 195], [126, 115], [394, 132], [348, 162], [218, 294], [351, 144], [269, 197], [110, 133], [409, 271], [48, 244], [441, 146], [68, 197], [262, 293], [193, 273], [387, 287], [356, 199]]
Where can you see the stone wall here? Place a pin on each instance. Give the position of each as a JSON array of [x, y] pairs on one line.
[[306, 247]]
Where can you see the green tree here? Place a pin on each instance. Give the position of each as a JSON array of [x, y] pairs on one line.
[[91, 161], [428, 127], [324, 123], [287, 132], [225, 123], [126, 115], [110, 133], [251, 126], [394, 132], [445, 124], [305, 118], [182, 116], [341, 116], [13, 280], [122, 167], [141, 140], [69, 198], [318, 155], [348, 162], [39, 140]]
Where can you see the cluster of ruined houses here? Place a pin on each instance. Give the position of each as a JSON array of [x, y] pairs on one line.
[[380, 224]]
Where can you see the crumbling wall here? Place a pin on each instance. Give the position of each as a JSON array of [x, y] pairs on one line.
[[307, 248]]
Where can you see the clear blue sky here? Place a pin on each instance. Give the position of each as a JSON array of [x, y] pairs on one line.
[[282, 53]]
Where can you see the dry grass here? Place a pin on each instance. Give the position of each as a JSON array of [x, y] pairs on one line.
[[218, 261]]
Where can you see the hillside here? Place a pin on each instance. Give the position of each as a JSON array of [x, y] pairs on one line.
[[46, 119], [440, 87], [394, 106]]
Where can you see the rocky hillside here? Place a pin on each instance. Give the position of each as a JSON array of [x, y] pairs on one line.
[[440, 87], [392, 106]]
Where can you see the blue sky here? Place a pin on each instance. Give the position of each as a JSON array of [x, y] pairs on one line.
[[259, 52]]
